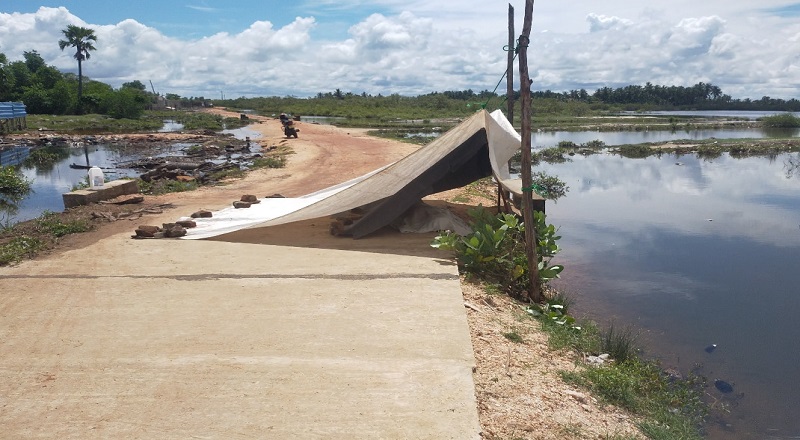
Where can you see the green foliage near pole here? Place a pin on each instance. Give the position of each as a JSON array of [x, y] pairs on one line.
[[495, 250]]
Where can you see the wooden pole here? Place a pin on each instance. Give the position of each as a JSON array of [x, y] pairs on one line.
[[535, 294], [510, 68]]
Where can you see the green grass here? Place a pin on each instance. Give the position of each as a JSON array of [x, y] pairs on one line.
[[91, 124], [269, 162], [45, 230], [51, 223], [165, 186], [513, 336], [19, 248], [150, 121], [668, 408]]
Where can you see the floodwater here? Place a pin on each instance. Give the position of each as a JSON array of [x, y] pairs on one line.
[[611, 138], [691, 253], [744, 114], [50, 183]]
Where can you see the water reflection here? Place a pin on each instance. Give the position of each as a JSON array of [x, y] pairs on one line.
[[694, 252], [611, 138]]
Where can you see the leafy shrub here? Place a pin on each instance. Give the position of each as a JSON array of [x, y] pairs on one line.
[[597, 143], [495, 250], [13, 186], [634, 151], [567, 144], [783, 120]]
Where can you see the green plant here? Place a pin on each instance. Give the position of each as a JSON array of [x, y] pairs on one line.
[[230, 173], [52, 224], [567, 144], [165, 186], [634, 151], [595, 144], [18, 247], [269, 162], [619, 344], [41, 157], [551, 312], [13, 186], [783, 120], [513, 336], [495, 250]]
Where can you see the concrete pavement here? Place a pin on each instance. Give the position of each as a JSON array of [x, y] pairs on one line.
[[275, 333]]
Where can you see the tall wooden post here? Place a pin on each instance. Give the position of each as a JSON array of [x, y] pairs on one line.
[[510, 68], [527, 180]]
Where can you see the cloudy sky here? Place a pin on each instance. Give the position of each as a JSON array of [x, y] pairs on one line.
[[302, 47]]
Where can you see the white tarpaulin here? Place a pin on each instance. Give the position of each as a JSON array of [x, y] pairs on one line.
[[478, 147]]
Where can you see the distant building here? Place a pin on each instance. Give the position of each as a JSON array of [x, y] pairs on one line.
[[12, 116]]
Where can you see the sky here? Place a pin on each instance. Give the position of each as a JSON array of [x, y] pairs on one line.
[[224, 48]]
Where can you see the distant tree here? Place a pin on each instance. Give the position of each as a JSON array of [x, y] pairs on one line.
[[47, 76], [6, 79], [21, 78], [127, 102], [135, 84], [82, 39], [34, 61], [37, 100]]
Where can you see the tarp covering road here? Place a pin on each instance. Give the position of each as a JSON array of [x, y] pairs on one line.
[[479, 147]]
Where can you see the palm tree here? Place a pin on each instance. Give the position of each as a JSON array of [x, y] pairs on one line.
[[81, 39]]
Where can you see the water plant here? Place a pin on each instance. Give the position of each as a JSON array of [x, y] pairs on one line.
[[783, 120]]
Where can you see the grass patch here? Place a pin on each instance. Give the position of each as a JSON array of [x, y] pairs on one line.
[[51, 223], [269, 162], [669, 408], [158, 187], [513, 336], [18, 248], [28, 239], [230, 173]]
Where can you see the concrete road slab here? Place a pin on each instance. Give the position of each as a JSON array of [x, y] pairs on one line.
[[237, 339]]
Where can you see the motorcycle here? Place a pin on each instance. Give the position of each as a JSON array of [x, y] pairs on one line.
[[288, 127]]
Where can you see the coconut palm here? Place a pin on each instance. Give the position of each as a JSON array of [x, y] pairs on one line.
[[82, 40]]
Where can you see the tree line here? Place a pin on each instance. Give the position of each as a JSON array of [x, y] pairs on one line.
[[701, 96], [46, 90]]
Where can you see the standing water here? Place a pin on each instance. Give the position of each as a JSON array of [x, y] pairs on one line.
[[692, 253]]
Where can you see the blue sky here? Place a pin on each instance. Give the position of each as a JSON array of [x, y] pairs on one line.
[[199, 18], [300, 48]]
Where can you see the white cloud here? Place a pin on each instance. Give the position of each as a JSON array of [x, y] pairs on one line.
[[438, 46]]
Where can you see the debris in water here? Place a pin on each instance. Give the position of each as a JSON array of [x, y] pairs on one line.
[[711, 348], [723, 387]]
